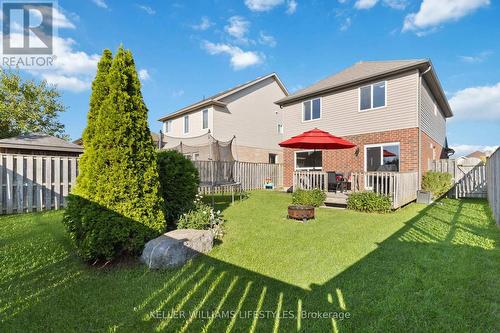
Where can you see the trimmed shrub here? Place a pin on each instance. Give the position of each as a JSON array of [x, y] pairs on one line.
[[369, 202], [116, 206], [438, 183], [314, 197], [202, 217], [179, 183]]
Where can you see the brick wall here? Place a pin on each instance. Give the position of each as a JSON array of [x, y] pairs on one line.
[[427, 152], [351, 160]]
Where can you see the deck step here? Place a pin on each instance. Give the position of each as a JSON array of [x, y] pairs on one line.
[[336, 199]]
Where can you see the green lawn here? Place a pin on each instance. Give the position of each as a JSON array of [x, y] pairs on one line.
[[434, 268]]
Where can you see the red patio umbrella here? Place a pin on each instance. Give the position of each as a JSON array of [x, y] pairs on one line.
[[317, 139], [388, 154]]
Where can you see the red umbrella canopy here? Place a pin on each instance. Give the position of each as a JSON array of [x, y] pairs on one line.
[[317, 139], [388, 154]]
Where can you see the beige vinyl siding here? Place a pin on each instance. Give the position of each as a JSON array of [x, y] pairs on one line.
[[252, 116], [340, 113], [195, 124], [432, 124]]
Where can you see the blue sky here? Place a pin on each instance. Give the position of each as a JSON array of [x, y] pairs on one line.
[[190, 49]]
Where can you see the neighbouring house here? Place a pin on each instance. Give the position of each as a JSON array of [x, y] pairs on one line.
[[154, 136], [394, 111], [246, 113], [39, 144]]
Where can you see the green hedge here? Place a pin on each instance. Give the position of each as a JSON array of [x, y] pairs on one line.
[[178, 183], [369, 202], [438, 183], [314, 197]]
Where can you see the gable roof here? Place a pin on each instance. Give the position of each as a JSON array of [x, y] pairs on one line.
[[217, 98], [40, 141], [367, 71]]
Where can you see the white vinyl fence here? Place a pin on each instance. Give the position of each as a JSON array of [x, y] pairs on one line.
[[493, 183], [34, 183]]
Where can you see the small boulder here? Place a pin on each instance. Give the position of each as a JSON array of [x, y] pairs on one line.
[[176, 247]]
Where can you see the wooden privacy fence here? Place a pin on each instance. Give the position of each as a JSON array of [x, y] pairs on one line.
[[34, 183], [224, 175], [493, 183], [401, 187], [469, 180]]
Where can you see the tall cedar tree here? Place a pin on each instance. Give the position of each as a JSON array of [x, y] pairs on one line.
[[100, 91], [116, 207]]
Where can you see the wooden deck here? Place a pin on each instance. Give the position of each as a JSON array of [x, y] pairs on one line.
[[336, 199], [400, 187]]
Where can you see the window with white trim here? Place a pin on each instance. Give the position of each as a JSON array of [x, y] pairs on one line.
[[383, 157], [308, 160], [204, 116], [186, 124], [168, 126], [311, 109], [373, 96]]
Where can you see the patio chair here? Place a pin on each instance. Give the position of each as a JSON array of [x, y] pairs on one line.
[[333, 182]]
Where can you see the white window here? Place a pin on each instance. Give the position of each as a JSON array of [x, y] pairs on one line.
[[311, 110], [204, 124], [280, 128], [373, 96], [186, 124], [382, 157], [168, 126], [308, 160], [435, 110]]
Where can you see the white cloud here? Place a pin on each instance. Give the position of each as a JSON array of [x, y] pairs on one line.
[[477, 103], [70, 83], [262, 5], [237, 27], [365, 4], [476, 58], [177, 93], [396, 4], [432, 13], [268, 40], [100, 3], [72, 70], [144, 75], [205, 24], [147, 9], [239, 59], [292, 7], [346, 24], [464, 149]]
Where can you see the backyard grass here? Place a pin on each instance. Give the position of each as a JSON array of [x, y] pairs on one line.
[[424, 268]]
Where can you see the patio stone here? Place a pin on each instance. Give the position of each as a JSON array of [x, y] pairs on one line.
[[176, 247]]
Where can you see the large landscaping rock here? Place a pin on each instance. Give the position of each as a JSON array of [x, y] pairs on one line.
[[176, 247]]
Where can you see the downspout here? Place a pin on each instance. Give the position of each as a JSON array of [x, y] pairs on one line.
[[419, 106]]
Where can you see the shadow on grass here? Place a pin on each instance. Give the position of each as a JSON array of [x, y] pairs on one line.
[[434, 274]]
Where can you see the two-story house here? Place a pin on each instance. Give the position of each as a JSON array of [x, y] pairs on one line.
[[394, 111], [246, 113]]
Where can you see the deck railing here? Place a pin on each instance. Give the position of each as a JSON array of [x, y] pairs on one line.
[[401, 187], [309, 180]]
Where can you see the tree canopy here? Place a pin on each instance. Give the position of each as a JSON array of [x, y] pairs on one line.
[[27, 106]]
